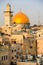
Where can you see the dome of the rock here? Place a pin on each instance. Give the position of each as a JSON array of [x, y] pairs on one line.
[[20, 18]]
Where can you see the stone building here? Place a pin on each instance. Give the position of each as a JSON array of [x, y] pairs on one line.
[[18, 38]]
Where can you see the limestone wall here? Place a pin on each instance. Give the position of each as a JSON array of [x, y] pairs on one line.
[[26, 63]]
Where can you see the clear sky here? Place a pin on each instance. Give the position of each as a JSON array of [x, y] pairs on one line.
[[32, 8]]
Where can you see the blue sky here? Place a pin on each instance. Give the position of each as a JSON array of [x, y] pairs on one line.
[[32, 8]]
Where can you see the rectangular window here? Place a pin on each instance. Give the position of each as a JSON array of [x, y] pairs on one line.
[[2, 58], [6, 57]]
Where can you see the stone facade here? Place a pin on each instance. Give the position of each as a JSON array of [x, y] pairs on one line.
[[19, 40]]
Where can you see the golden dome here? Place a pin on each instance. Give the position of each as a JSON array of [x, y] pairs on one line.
[[20, 18]]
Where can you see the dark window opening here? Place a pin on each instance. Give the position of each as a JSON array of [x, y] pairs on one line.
[[15, 50], [39, 35], [2, 57], [13, 63], [12, 57], [14, 41], [12, 51], [36, 41], [2, 33], [31, 47], [9, 35], [6, 57], [14, 22], [21, 44], [23, 37]]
